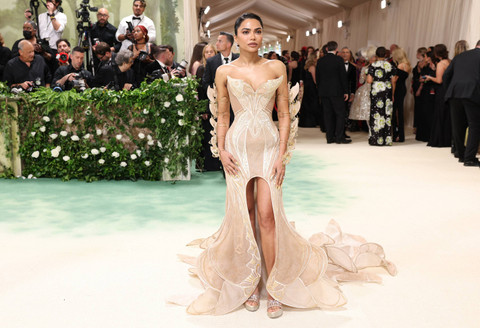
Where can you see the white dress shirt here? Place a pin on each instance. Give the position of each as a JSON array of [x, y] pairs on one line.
[[144, 20], [229, 58], [47, 31]]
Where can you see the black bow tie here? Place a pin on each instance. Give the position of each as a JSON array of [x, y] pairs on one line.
[[136, 18], [346, 64], [226, 60]]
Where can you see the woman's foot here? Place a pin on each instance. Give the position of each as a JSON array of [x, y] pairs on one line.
[[253, 302], [274, 309]]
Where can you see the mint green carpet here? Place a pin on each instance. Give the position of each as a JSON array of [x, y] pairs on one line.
[[54, 207]]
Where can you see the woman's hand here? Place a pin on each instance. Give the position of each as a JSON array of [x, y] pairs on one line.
[[230, 164], [278, 172]]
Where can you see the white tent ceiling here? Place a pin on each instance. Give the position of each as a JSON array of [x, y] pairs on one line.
[[280, 17]]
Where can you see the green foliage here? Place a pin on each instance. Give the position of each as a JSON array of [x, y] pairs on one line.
[[104, 134], [7, 114]]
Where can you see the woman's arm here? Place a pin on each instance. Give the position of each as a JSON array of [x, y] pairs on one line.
[[441, 67], [282, 101], [223, 121], [312, 70]]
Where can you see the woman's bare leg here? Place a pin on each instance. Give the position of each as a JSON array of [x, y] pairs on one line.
[[251, 213]]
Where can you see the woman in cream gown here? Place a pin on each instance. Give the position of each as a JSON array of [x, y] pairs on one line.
[[253, 151]]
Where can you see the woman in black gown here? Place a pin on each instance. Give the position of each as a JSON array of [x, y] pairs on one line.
[[294, 68], [441, 134], [403, 70], [310, 110], [425, 97]]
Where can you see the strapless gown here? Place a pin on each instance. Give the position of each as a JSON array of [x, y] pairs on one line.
[[305, 272]]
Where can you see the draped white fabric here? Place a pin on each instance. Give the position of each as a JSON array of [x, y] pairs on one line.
[[191, 26]]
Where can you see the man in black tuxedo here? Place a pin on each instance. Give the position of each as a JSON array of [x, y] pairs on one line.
[[351, 81], [164, 62], [332, 87], [224, 56], [462, 82]]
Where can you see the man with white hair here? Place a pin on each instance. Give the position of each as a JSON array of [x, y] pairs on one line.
[[27, 70]]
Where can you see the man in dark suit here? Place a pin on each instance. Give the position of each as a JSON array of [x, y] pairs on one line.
[[351, 81], [164, 62], [224, 56], [462, 82], [332, 87]]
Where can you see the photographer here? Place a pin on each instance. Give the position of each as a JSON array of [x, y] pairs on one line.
[[52, 23], [104, 55], [103, 31], [125, 33], [30, 34], [164, 62], [118, 75], [5, 56], [28, 70], [65, 76]]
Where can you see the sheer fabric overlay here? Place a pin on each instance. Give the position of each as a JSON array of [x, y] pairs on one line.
[[306, 272]]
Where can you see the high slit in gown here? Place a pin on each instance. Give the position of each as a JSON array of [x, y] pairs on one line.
[[305, 272]]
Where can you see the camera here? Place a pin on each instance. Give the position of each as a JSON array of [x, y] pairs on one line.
[[142, 56], [183, 64], [36, 84], [62, 57], [130, 27], [83, 11], [79, 82]]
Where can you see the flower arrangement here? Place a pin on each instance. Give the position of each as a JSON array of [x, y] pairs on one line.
[[104, 134]]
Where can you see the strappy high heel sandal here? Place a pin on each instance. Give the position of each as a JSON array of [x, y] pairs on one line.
[[254, 298], [274, 314]]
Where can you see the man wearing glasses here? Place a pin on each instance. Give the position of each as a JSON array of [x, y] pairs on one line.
[[103, 31]]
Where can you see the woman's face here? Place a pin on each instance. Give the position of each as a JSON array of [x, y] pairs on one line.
[[249, 35], [209, 52], [138, 34]]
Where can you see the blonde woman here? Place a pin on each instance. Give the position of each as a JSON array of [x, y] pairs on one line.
[[461, 46], [403, 70], [208, 51], [310, 110], [360, 109]]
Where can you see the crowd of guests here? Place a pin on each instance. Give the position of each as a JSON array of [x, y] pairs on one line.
[[341, 93], [123, 57]]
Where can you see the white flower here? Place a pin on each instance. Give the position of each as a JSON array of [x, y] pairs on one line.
[[53, 136], [147, 163], [141, 135], [133, 156], [166, 104], [103, 149], [69, 121], [46, 118], [85, 156], [166, 160], [101, 161], [30, 176], [44, 149], [145, 111], [139, 152], [180, 122], [194, 132], [118, 136], [75, 138], [179, 97], [66, 158], [35, 154], [162, 120], [180, 113], [63, 133], [123, 164], [95, 151], [87, 136], [388, 141], [380, 141], [99, 132], [149, 137], [115, 154], [88, 112], [42, 129], [159, 144], [151, 143], [56, 151], [33, 134]]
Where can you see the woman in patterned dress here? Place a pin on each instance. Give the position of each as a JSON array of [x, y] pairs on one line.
[[381, 75]]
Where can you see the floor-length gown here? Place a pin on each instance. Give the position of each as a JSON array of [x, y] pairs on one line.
[[310, 110], [441, 133], [360, 109], [305, 273], [381, 103], [398, 119]]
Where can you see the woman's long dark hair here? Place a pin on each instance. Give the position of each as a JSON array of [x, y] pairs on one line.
[[196, 54]]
